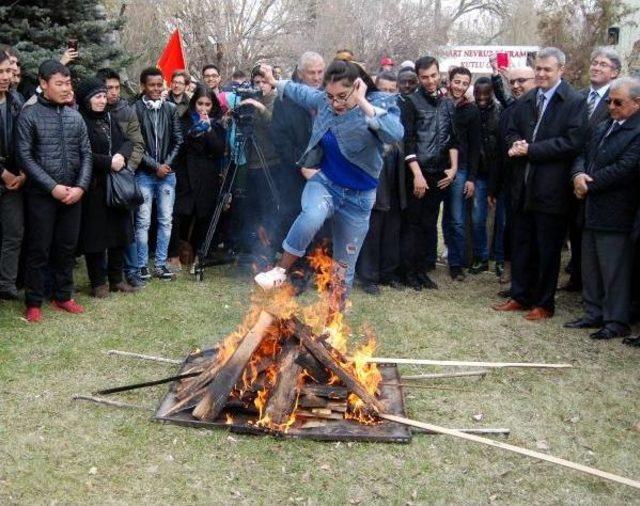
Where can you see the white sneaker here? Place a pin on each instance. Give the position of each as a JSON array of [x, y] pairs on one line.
[[271, 279]]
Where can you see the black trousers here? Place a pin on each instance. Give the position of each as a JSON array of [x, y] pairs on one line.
[[607, 264], [114, 260], [52, 236], [12, 214], [535, 261], [419, 229], [380, 254]]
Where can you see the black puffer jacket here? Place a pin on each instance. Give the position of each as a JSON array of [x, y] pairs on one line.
[[53, 147], [162, 132], [429, 131]]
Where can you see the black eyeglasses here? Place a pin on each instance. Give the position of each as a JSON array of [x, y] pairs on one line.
[[339, 100], [617, 102], [519, 80]]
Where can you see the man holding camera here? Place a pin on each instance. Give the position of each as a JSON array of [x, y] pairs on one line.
[[254, 151]]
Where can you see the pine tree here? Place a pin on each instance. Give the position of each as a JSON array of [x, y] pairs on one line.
[[40, 29]]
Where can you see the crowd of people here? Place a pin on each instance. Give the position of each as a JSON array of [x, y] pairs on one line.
[[512, 166]]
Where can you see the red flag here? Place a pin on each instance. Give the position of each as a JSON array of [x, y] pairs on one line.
[[172, 57]]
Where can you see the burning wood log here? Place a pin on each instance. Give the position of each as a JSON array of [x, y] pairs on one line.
[[282, 401], [220, 387], [313, 367], [318, 350]]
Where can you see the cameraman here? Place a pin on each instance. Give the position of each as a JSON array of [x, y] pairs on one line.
[[252, 106]]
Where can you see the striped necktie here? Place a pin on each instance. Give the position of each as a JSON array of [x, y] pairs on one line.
[[591, 102]]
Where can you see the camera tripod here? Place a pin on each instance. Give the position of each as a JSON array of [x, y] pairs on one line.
[[244, 138]]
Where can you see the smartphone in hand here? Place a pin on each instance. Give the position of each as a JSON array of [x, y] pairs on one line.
[[502, 60], [72, 44]]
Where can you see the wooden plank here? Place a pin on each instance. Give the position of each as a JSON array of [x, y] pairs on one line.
[[282, 400], [328, 391], [459, 363], [220, 387], [318, 350], [512, 448]]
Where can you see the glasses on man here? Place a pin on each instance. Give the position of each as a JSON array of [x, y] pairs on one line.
[[616, 102], [601, 64], [340, 99], [211, 76], [519, 80]]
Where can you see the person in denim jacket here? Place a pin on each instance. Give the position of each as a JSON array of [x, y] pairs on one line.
[[353, 122]]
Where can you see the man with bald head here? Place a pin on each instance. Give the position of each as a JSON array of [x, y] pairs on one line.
[[291, 129], [606, 178], [521, 80]]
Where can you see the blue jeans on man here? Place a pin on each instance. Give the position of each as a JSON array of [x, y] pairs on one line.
[[350, 210], [479, 219], [454, 221], [163, 191]]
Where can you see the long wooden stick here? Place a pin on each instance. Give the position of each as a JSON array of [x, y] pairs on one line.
[[109, 402], [516, 449], [140, 356], [437, 375], [499, 431], [457, 363]]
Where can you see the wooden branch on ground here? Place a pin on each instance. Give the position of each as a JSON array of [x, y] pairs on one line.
[[512, 448], [318, 350], [439, 375], [500, 432], [109, 402], [219, 388], [458, 363], [140, 356]]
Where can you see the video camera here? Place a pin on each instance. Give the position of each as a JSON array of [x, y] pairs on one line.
[[243, 114]]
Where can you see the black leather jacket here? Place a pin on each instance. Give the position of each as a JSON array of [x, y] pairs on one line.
[[162, 132], [7, 144], [53, 147], [429, 131]]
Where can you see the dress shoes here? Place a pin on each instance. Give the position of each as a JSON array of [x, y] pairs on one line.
[[583, 323], [608, 333], [510, 305], [632, 341], [538, 313]]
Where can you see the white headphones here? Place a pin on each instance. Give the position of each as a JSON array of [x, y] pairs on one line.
[[152, 104]]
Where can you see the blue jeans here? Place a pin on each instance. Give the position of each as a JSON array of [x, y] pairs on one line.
[[479, 220], [350, 210], [164, 193], [131, 260], [499, 228], [454, 221]]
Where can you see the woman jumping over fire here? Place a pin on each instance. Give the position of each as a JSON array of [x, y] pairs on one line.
[[353, 122]]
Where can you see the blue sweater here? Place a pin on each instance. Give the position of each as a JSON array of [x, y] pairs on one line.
[[340, 170]]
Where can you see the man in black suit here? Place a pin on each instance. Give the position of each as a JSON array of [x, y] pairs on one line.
[[546, 132], [606, 177], [605, 67]]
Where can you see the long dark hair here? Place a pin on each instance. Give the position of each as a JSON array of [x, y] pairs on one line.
[[204, 91], [339, 70]]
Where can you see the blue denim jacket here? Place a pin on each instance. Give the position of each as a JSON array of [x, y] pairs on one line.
[[361, 138]]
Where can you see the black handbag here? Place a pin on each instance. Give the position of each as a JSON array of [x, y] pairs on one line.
[[123, 191]]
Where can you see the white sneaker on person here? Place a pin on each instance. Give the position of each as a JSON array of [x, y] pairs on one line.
[[271, 279]]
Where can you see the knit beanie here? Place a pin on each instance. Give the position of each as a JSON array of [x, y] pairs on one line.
[[89, 88]]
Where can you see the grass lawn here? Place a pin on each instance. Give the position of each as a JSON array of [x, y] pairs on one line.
[[56, 450]]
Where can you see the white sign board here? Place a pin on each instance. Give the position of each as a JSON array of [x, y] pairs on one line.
[[476, 58]]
